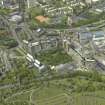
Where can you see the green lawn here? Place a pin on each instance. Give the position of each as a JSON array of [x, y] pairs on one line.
[[86, 99], [51, 95], [45, 96], [54, 57], [47, 92], [56, 96], [24, 96], [18, 103], [80, 88]]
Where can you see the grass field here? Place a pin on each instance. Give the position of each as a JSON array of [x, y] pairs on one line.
[[49, 96], [24, 96], [45, 96], [77, 90], [88, 99], [59, 98]]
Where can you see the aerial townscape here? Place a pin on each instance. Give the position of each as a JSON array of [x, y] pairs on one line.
[[52, 52]]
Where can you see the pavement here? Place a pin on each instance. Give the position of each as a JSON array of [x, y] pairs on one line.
[[64, 68]]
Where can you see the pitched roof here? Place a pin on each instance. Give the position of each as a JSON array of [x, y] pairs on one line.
[[41, 18]]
